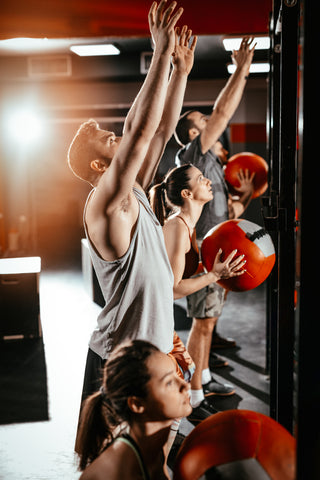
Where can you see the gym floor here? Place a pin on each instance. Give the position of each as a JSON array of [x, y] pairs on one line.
[[39, 444]]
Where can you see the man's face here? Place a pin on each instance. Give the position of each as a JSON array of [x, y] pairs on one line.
[[199, 119], [106, 143]]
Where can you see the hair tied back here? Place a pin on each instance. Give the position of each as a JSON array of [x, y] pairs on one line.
[[103, 393]]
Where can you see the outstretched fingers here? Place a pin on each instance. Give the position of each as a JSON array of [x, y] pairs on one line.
[[173, 20], [151, 15], [230, 256], [158, 14], [236, 265], [183, 37], [193, 43], [247, 43], [165, 15]]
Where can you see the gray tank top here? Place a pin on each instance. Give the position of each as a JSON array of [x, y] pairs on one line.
[[137, 288]]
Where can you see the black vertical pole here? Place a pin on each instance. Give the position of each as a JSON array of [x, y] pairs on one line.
[[308, 418], [270, 203], [287, 207], [279, 211]]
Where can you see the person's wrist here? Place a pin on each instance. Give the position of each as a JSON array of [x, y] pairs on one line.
[[213, 276], [244, 69], [163, 50], [180, 70]]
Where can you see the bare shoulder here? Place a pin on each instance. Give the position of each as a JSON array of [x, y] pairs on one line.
[[116, 463], [175, 225], [176, 235], [110, 231]]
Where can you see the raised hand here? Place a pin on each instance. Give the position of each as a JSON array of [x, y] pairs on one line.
[[183, 55], [244, 56], [246, 181], [162, 25]]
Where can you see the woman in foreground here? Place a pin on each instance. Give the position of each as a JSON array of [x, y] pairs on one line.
[[124, 426]]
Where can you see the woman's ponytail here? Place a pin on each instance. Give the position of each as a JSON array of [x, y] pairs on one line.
[[97, 422], [158, 202]]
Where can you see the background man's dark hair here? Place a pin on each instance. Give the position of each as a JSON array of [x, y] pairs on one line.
[[182, 129]]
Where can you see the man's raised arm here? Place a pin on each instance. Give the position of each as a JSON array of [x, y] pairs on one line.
[[145, 114], [182, 62], [230, 96]]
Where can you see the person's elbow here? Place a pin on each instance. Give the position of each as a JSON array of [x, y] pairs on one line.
[[221, 115], [177, 291], [177, 295]]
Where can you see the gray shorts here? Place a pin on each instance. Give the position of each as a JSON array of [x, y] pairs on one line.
[[207, 302]]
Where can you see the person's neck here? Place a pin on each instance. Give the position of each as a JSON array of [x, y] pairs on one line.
[[150, 437], [191, 214]]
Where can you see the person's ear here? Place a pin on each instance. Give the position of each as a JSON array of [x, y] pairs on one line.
[[186, 193], [98, 166], [193, 133], [136, 404]]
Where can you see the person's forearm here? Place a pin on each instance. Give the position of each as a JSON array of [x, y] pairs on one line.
[[146, 111], [174, 101], [190, 285], [165, 130], [240, 205], [230, 96], [224, 108]]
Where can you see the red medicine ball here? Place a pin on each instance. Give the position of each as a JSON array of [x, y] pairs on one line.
[[250, 240], [250, 444], [253, 163]]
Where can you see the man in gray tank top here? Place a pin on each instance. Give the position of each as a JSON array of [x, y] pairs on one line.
[[125, 239]]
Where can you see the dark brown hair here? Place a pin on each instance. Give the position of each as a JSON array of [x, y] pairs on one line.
[[125, 374], [183, 126], [167, 195]]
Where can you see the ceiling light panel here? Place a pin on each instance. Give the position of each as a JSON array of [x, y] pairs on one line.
[[263, 43], [94, 50], [259, 67]]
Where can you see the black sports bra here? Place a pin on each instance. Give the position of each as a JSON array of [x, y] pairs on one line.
[[128, 440]]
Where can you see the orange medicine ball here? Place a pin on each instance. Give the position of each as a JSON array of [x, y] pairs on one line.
[[250, 240], [237, 436], [253, 163]]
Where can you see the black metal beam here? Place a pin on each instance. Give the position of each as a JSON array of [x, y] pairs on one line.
[[308, 418], [279, 211], [287, 208]]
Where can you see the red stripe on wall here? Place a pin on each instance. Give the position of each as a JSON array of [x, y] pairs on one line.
[[87, 18], [248, 132]]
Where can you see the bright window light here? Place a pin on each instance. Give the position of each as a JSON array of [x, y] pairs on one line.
[[20, 265], [23, 43], [263, 43], [24, 126], [254, 67], [94, 50]]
